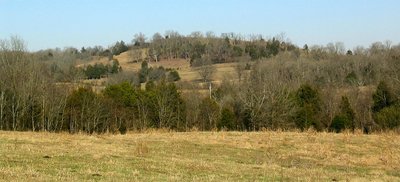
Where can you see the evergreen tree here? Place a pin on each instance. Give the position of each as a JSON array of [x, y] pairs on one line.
[[144, 72], [345, 119], [385, 107], [119, 48], [173, 76], [227, 120], [388, 117], [309, 108], [115, 68]]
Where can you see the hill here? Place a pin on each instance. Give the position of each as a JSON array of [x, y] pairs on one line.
[[130, 63]]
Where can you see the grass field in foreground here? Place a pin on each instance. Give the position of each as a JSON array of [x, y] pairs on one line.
[[199, 156]]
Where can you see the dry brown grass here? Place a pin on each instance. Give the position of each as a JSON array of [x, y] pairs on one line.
[[186, 72], [189, 75], [199, 156]]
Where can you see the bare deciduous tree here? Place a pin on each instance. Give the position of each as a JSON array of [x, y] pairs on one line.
[[139, 39], [206, 69]]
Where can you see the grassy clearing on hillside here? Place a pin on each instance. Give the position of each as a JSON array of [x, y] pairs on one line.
[[199, 156], [187, 73]]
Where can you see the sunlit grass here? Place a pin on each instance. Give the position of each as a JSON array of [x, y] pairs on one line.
[[199, 156]]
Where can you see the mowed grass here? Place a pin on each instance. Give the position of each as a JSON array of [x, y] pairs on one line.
[[199, 156]]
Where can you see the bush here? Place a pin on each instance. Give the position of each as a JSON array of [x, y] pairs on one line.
[[156, 74], [347, 111], [143, 72], [237, 51], [345, 120], [351, 78], [123, 129], [339, 123], [123, 93], [96, 71], [173, 76], [307, 117], [100, 70], [248, 66], [227, 120], [115, 68], [388, 117]]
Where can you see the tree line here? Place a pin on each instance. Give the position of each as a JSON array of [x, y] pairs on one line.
[[99, 70], [325, 88], [228, 47]]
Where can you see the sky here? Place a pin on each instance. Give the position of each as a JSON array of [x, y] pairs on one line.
[[46, 24]]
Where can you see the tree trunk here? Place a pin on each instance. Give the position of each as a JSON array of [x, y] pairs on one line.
[[14, 114], [1, 110], [43, 114]]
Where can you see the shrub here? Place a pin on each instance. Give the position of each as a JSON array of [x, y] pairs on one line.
[[99, 70], [115, 68], [96, 71], [173, 76], [388, 117], [237, 51], [248, 66], [123, 93], [345, 119], [339, 123], [156, 74], [143, 72], [351, 78], [123, 128], [227, 120]]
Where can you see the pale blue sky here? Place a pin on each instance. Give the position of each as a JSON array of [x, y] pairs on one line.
[[55, 23]]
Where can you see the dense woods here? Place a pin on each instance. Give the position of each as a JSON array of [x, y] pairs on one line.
[[278, 85]]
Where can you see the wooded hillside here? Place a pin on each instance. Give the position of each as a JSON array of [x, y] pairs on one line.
[[277, 85]]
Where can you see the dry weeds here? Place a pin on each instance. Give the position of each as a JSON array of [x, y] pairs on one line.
[[200, 156]]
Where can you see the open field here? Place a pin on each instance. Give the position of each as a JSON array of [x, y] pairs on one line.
[[199, 156], [186, 72]]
